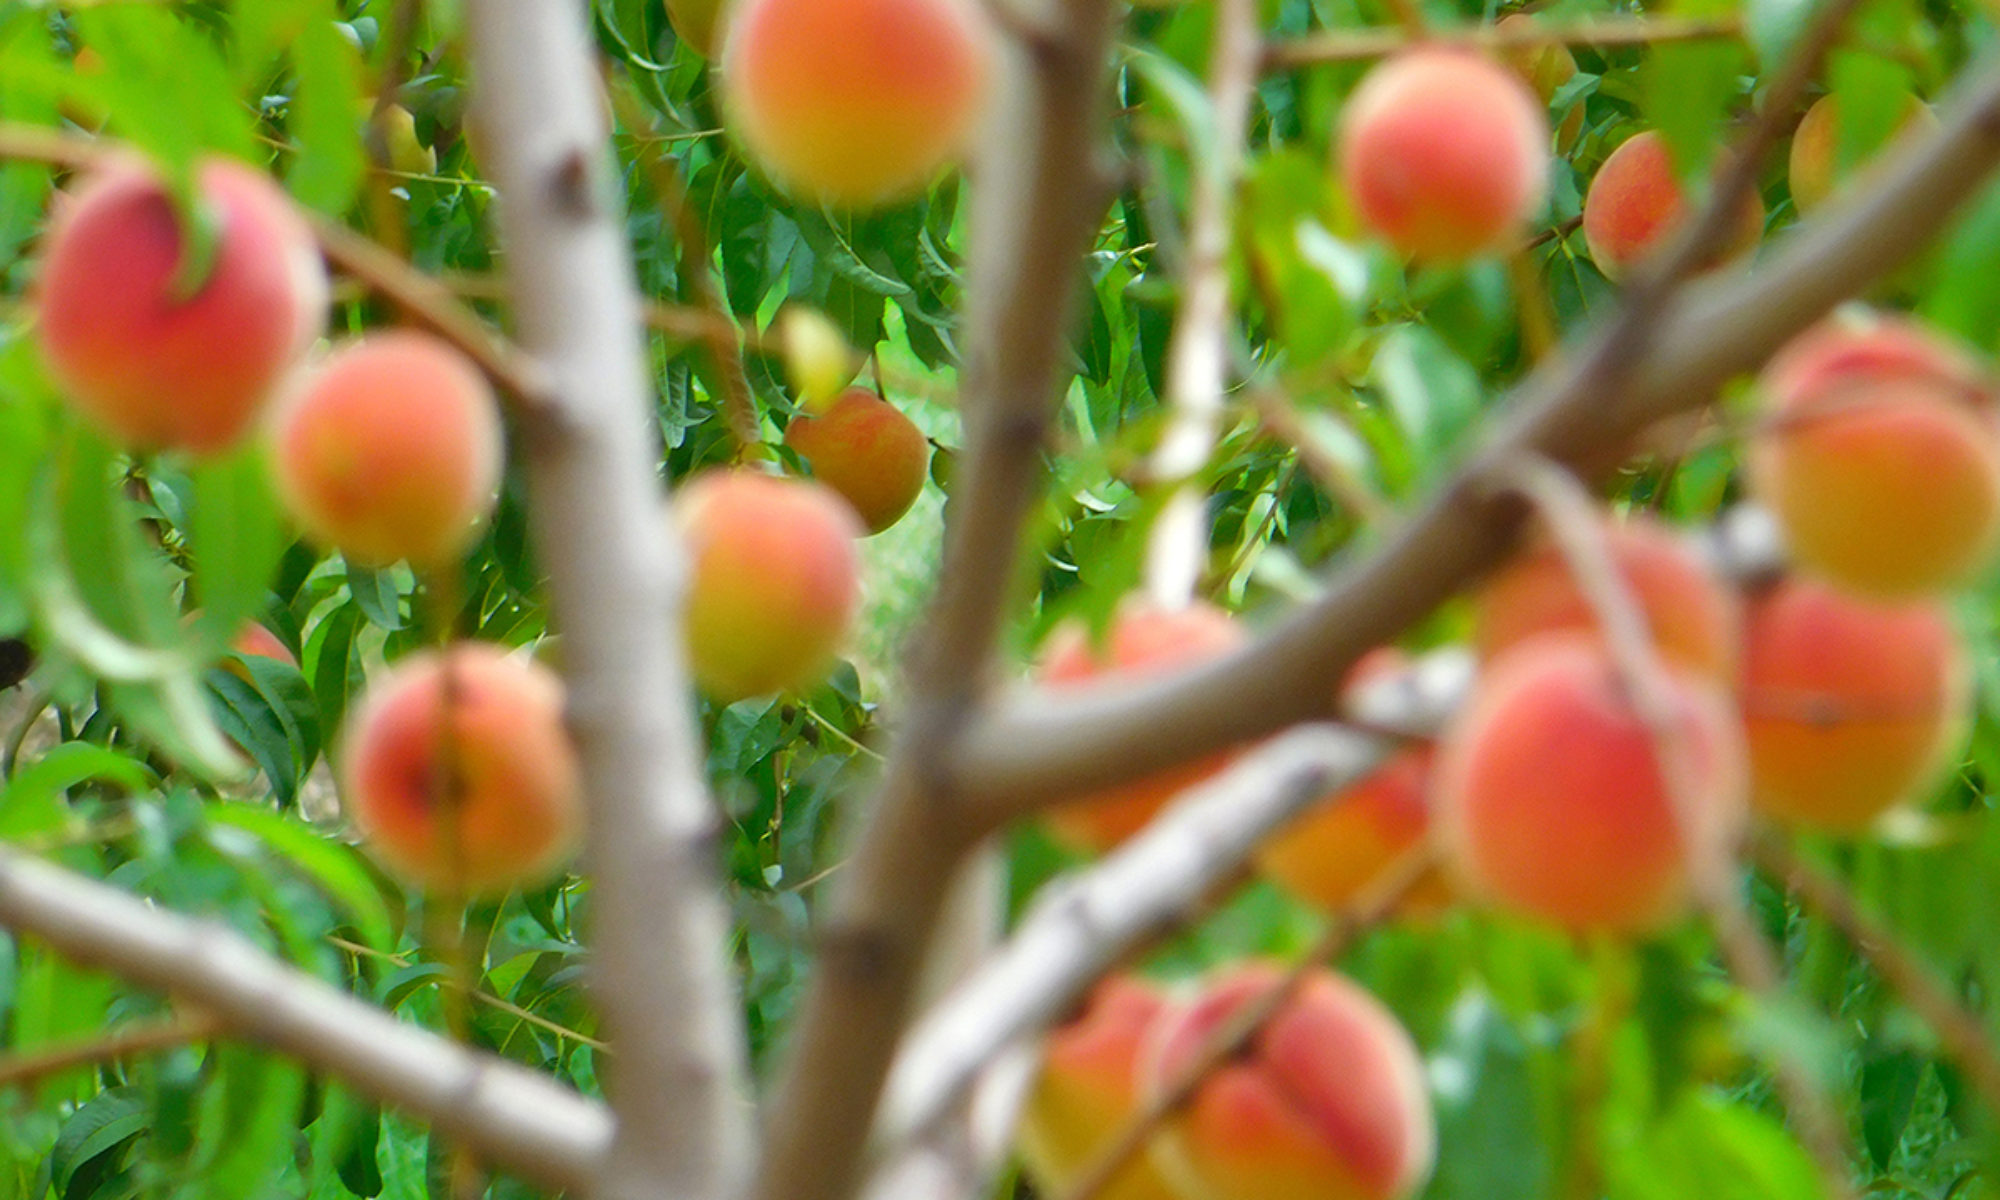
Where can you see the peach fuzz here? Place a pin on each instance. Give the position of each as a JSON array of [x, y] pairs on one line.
[[774, 580], [459, 774], [390, 449], [1327, 1102], [1143, 640], [1635, 205], [1851, 707], [1445, 153], [1814, 162], [1888, 487], [1088, 1089], [154, 369], [1694, 618], [1551, 798], [1546, 66], [864, 448], [856, 102]]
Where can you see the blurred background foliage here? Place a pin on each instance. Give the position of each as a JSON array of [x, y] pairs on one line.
[[144, 750]]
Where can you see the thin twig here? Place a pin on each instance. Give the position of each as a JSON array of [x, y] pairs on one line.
[[1601, 33], [21, 1070]]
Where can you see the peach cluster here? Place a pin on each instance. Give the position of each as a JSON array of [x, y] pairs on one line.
[[1327, 1100]]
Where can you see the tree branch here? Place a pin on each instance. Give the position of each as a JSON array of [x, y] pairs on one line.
[[661, 982], [1037, 201], [1031, 750], [515, 1118]]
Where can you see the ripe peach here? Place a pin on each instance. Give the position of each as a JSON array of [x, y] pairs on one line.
[[1693, 617], [1143, 640], [1815, 156], [154, 368], [856, 102], [774, 580], [255, 641], [1546, 67], [1335, 850], [1552, 797], [864, 448], [1635, 205], [390, 449], [1087, 1091], [1327, 1102], [1851, 707], [459, 773], [1445, 153], [1890, 488], [1881, 459]]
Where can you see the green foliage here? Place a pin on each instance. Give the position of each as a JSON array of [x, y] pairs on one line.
[[144, 751]]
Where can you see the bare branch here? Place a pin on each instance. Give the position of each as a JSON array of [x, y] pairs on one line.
[[661, 981], [1177, 549], [515, 1118]]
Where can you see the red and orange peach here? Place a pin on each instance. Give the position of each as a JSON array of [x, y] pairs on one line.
[[156, 346], [864, 448]]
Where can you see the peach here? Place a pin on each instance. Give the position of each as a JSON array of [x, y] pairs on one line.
[[1694, 618], [255, 641], [1445, 153], [459, 774], [1881, 460], [1635, 205], [856, 102], [1329, 855], [1546, 67], [864, 448], [1851, 707], [1327, 1102], [390, 449], [1088, 1089], [1143, 640], [774, 580], [697, 22], [1815, 156], [1552, 796], [157, 366]]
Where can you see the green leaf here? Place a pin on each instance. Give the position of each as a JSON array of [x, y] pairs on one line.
[[110, 1119], [235, 537], [333, 867], [325, 119]]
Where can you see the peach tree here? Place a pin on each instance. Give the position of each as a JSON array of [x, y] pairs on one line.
[[803, 599]]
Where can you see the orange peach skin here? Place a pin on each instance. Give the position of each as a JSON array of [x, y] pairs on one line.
[[154, 370], [1332, 853], [1693, 617], [1815, 155], [864, 448], [1550, 797], [1142, 641], [459, 774], [1445, 153], [1327, 1103], [1087, 1091], [1851, 708], [391, 449], [856, 102], [1888, 487], [774, 583], [1635, 205]]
